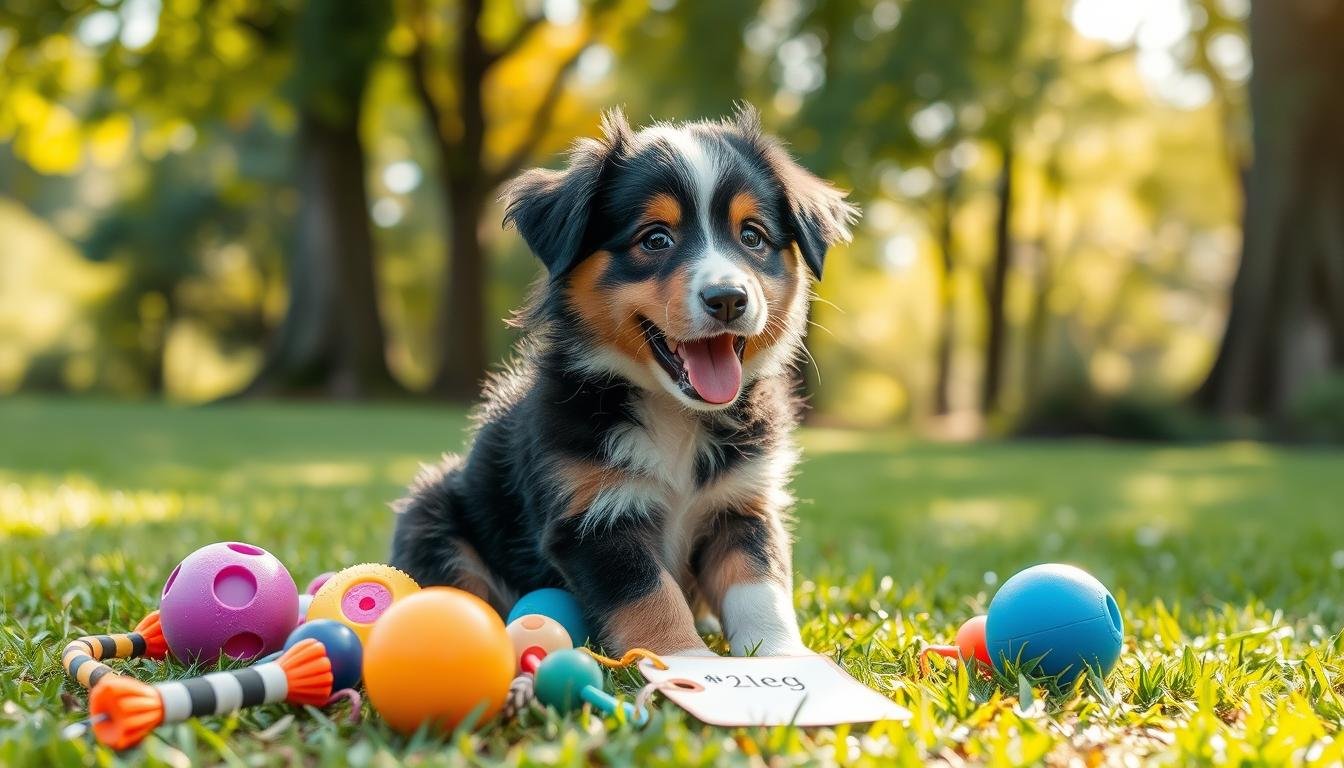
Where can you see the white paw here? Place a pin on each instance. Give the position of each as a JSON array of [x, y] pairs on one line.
[[760, 621], [708, 625]]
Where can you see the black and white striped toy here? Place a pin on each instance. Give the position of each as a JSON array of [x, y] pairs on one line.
[[125, 710]]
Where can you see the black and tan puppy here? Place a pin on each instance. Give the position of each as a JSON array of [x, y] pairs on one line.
[[638, 451]]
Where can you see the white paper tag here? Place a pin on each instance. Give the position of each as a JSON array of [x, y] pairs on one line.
[[776, 690]]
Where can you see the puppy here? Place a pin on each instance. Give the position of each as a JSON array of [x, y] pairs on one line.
[[637, 452]]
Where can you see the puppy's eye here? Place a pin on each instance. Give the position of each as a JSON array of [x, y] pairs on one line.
[[752, 237], [657, 240]]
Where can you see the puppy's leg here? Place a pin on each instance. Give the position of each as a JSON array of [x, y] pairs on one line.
[[427, 545], [744, 569], [628, 594]]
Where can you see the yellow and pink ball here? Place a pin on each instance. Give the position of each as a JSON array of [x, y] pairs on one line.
[[359, 596]]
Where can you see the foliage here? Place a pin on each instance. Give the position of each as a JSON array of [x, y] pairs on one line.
[[1123, 229], [1224, 559], [1076, 412], [1317, 413]]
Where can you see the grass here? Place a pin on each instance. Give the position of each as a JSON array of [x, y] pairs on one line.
[[1227, 562]]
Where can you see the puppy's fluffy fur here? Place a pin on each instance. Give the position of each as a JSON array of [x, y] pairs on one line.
[[638, 450]]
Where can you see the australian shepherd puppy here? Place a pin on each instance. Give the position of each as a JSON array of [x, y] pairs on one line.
[[638, 451]]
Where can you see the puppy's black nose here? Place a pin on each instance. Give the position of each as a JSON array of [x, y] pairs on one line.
[[726, 302]]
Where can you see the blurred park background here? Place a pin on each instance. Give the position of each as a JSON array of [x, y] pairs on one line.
[[1081, 216]]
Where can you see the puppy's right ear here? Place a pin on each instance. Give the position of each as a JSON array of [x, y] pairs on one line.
[[551, 209]]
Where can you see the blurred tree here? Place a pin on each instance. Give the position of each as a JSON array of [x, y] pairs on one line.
[[996, 293], [152, 76], [160, 234], [969, 84], [119, 92], [1286, 322], [1038, 321], [331, 339], [947, 330], [687, 60], [451, 59]]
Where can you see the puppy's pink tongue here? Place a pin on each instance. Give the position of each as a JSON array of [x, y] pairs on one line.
[[714, 369]]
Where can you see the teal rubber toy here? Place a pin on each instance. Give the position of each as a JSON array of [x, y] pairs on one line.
[[569, 678]]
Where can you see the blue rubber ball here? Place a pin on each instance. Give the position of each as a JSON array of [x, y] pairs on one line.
[[343, 649], [554, 604], [1059, 614]]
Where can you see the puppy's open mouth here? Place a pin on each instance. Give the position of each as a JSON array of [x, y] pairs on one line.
[[708, 369]]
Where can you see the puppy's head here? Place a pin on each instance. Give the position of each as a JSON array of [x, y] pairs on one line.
[[682, 253]]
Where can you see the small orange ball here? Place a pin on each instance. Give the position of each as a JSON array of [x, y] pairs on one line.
[[435, 657], [971, 640], [537, 631]]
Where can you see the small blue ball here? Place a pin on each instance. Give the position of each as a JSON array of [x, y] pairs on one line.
[[343, 649], [1059, 614], [555, 604]]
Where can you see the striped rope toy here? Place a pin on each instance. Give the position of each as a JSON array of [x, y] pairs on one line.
[[82, 658], [125, 710]]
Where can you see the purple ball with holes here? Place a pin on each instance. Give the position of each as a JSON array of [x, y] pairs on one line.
[[228, 599]]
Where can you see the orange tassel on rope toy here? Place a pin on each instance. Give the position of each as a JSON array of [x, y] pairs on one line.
[[124, 710], [83, 657]]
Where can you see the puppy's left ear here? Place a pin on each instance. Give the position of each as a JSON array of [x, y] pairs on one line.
[[552, 208], [818, 214]]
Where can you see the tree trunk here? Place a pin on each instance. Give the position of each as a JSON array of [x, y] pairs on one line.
[[942, 404], [460, 323], [1286, 319], [1038, 328], [460, 326], [998, 281], [331, 341]]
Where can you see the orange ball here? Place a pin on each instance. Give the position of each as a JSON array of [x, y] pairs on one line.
[[971, 640], [435, 657]]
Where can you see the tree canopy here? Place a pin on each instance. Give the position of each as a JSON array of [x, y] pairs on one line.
[[299, 196]]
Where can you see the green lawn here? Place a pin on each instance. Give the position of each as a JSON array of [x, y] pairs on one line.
[[1227, 561]]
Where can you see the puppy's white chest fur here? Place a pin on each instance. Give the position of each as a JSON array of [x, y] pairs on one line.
[[661, 450]]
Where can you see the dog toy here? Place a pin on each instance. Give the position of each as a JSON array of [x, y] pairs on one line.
[[437, 656], [568, 678], [970, 644], [305, 602], [124, 710], [533, 637], [228, 598], [83, 657], [1058, 614], [318, 581], [557, 604], [359, 595], [343, 649]]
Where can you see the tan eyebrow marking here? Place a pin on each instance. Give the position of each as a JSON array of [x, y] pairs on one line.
[[743, 206], [665, 208]]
